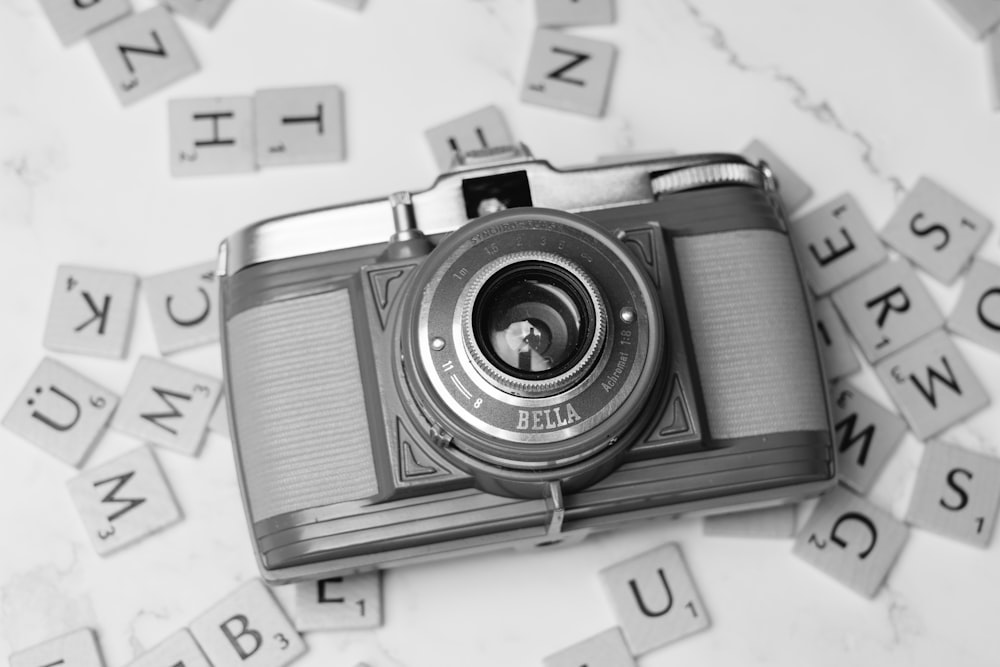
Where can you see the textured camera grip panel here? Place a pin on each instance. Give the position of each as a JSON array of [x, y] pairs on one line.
[[752, 335], [298, 405]]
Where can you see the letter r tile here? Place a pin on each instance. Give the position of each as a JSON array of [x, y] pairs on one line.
[[851, 540], [211, 135], [91, 312], [569, 72], [655, 599], [606, 649], [248, 628], [339, 603], [73, 20], [299, 125], [143, 53], [182, 305], [178, 650], [168, 405], [124, 500], [76, 649]]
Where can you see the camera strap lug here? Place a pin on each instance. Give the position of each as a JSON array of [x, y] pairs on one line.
[[556, 508]]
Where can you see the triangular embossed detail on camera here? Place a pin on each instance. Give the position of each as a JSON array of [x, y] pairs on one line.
[[676, 417], [385, 284], [640, 242], [412, 460]]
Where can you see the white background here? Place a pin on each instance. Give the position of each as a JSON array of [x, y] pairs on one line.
[[857, 95]]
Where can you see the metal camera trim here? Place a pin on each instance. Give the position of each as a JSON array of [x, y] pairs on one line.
[[509, 383]]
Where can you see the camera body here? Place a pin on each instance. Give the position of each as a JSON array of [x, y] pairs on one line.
[[582, 349]]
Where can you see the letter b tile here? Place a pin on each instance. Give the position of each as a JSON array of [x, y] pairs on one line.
[[211, 135], [851, 540], [568, 72], [182, 305], [339, 603], [655, 599], [91, 312], [248, 628]]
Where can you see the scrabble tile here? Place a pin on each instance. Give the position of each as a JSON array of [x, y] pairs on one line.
[[75, 649], [957, 494], [178, 650], [866, 434], [91, 312], [61, 411], [205, 12], [993, 66], [655, 599], [183, 305], [560, 13], [211, 135], [605, 649], [124, 500], [835, 244], [851, 540], [339, 603], [936, 230], [72, 20], [143, 53], [976, 316], [483, 128], [219, 422], [356, 5], [569, 73], [299, 125], [167, 405], [932, 384], [794, 191], [248, 628], [769, 522], [976, 17], [887, 309], [837, 354]]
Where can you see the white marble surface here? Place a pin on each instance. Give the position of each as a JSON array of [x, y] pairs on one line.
[[858, 95]]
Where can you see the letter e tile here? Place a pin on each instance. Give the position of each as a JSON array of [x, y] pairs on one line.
[[932, 384], [248, 628], [835, 243], [167, 405], [143, 53], [211, 135], [655, 599], [957, 494], [61, 411], [866, 434], [72, 19], [561, 13], [124, 500], [299, 125], [605, 649], [569, 73], [91, 312], [205, 12], [851, 540], [793, 190], [767, 522], [977, 314], [339, 603], [484, 128], [76, 649], [178, 650], [182, 305]]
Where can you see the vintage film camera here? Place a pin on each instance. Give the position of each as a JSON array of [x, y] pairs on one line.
[[589, 347]]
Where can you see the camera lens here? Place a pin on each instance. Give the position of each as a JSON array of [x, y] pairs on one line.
[[533, 320]]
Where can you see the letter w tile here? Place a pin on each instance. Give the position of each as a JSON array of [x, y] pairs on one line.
[[166, 395]]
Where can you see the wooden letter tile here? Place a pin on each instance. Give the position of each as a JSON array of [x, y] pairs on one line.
[[76, 649], [794, 191], [977, 314], [568, 72], [560, 13], [835, 244], [339, 603], [932, 384], [605, 649], [205, 12], [936, 230], [887, 309], [178, 650], [356, 5], [61, 411], [866, 435], [484, 128], [73, 20], [167, 405], [957, 494], [299, 125], [852, 540], [183, 307], [143, 53], [655, 599], [769, 522], [834, 342], [976, 17], [248, 628], [91, 312], [211, 135], [219, 422], [124, 500]]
